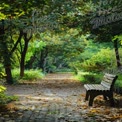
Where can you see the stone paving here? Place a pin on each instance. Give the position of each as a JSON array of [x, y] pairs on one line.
[[50, 100], [56, 98]]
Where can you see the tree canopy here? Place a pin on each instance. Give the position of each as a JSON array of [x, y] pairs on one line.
[[62, 30]]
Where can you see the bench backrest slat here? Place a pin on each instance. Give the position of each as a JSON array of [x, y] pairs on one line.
[[108, 81]]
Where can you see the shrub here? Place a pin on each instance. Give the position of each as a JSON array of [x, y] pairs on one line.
[[2, 89], [4, 99], [118, 84], [29, 75], [100, 61], [90, 78], [32, 75]]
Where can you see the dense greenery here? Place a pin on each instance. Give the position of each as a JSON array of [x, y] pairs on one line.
[[30, 75], [53, 35]]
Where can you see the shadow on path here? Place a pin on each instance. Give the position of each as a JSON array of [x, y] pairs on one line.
[[55, 98]]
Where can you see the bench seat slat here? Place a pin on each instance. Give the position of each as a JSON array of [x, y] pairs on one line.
[[95, 87], [105, 84], [99, 87], [110, 75], [108, 80]]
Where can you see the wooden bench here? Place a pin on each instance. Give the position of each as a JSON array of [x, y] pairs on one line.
[[105, 89]]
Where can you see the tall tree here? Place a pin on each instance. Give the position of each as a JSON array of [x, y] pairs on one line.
[[5, 53], [21, 18]]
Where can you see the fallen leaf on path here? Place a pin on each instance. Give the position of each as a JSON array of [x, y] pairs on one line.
[[107, 111], [114, 117], [94, 111], [83, 95], [84, 106], [10, 106]]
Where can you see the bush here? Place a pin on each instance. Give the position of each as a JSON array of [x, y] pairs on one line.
[[2, 89], [4, 99], [29, 75], [90, 78], [32, 75], [118, 84], [100, 61]]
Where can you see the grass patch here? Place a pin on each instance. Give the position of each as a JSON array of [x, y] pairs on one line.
[[30, 75], [89, 77]]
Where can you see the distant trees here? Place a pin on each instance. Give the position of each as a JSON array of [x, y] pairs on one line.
[[64, 25]]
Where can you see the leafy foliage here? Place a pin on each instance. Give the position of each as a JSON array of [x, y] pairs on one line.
[[67, 46], [2, 88], [100, 61], [4, 98], [119, 37], [89, 77]]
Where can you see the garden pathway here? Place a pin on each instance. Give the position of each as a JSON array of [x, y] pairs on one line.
[[55, 98]]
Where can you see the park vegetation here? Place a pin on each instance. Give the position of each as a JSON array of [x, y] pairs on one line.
[[56, 36]]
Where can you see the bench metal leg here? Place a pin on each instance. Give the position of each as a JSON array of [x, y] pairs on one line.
[[91, 99], [112, 102], [111, 99], [87, 95], [105, 97]]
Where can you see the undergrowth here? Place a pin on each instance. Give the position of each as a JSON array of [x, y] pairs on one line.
[[4, 98], [30, 75]]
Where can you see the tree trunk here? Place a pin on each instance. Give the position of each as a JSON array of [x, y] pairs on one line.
[[7, 65], [43, 55], [117, 54], [22, 61], [22, 67], [6, 55], [29, 64], [23, 54], [9, 78]]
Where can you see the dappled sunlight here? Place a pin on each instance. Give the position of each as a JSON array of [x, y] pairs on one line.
[[27, 103], [20, 95], [48, 98], [60, 98]]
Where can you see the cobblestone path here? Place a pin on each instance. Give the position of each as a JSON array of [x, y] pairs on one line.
[[56, 98], [53, 99]]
